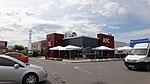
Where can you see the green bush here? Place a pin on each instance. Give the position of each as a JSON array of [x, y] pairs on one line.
[[56, 59], [35, 53], [2, 52], [59, 59]]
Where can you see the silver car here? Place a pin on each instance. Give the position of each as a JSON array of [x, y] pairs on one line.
[[13, 71]]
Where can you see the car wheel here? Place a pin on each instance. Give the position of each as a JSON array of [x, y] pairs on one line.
[[30, 79]]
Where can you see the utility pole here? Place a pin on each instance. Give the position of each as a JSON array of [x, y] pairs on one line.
[[30, 41]]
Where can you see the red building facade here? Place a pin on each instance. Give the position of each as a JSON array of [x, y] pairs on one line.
[[53, 40], [108, 41]]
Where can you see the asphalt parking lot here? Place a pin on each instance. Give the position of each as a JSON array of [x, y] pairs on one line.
[[111, 72]]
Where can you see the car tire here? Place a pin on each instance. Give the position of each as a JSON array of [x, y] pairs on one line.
[[30, 79]]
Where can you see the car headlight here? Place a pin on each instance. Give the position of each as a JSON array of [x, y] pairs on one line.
[[43, 70]]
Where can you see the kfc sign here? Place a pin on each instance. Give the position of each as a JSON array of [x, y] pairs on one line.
[[106, 40], [49, 43]]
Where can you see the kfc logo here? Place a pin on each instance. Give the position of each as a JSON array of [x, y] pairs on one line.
[[49, 43], [106, 40]]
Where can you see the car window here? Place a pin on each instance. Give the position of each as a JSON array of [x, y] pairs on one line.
[[17, 55], [6, 62], [9, 54]]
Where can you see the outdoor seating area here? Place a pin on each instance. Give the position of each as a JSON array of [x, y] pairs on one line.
[[121, 52], [75, 52], [84, 47]]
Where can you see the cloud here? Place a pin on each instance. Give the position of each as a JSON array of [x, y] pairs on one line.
[[139, 8], [82, 27], [137, 34], [45, 5], [86, 17], [101, 7]]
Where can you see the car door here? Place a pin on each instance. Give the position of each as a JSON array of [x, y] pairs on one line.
[[9, 74]]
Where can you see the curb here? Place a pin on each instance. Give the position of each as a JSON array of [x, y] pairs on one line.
[[72, 61]]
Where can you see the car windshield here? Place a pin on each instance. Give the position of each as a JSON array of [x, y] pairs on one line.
[[9, 54], [138, 52]]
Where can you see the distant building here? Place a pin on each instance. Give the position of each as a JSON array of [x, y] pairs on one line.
[[120, 44], [10, 47], [3, 46], [120, 53], [40, 46]]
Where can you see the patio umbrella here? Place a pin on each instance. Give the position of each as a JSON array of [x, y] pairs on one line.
[[57, 48], [124, 48], [71, 47], [102, 48]]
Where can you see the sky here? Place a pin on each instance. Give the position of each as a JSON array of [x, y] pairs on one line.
[[124, 19]]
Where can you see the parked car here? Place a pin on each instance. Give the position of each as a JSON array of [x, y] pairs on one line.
[[18, 56], [14, 71]]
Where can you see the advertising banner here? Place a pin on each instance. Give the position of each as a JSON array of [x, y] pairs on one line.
[[133, 42]]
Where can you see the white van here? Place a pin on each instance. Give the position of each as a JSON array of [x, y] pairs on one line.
[[139, 57]]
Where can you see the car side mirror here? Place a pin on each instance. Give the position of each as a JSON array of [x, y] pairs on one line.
[[16, 66]]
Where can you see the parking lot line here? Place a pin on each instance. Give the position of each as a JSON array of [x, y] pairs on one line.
[[80, 69]]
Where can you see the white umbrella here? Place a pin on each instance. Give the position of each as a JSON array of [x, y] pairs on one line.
[[102, 48], [63, 48], [124, 48], [56, 48], [71, 47]]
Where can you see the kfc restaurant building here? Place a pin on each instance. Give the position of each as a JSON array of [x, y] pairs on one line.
[[84, 42]]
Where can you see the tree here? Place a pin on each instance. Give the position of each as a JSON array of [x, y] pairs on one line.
[[18, 47], [35, 53]]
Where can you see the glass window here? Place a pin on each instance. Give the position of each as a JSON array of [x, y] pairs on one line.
[[6, 62], [139, 51], [17, 55], [9, 54]]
